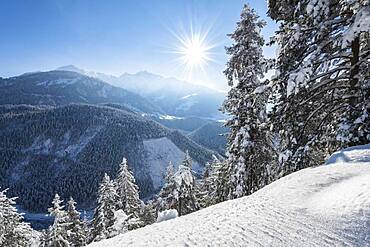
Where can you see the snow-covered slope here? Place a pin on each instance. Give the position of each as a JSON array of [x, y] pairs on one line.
[[323, 206], [160, 152]]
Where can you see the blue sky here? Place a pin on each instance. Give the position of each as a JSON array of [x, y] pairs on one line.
[[117, 36]]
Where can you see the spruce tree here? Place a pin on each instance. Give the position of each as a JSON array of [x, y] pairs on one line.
[[128, 191], [76, 227], [13, 231], [208, 185], [322, 81], [249, 148], [104, 215], [185, 191], [58, 235], [148, 214], [169, 172], [166, 195], [43, 238]]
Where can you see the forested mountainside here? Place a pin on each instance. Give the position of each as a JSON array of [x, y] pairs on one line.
[[212, 135], [206, 132], [67, 150], [64, 87]]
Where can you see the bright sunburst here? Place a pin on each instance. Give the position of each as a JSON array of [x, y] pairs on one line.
[[194, 52]]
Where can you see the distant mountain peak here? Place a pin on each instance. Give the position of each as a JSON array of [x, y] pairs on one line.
[[72, 68], [144, 72]]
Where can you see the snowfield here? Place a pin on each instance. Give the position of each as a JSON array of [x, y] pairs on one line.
[[322, 206], [159, 152]]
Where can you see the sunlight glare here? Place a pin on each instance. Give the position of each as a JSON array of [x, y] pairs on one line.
[[194, 52]]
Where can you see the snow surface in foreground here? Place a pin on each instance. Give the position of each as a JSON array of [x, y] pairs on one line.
[[323, 206]]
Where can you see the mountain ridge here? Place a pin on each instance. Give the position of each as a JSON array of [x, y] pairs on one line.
[[65, 87], [169, 93]]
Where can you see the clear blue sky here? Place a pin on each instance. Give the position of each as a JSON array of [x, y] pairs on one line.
[[116, 36]]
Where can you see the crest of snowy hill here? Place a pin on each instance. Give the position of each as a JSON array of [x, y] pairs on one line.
[[67, 149], [322, 206], [65, 87], [175, 97]]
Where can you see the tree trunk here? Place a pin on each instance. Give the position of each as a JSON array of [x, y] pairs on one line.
[[355, 67]]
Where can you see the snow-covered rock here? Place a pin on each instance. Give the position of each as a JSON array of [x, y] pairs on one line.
[[322, 206], [167, 215]]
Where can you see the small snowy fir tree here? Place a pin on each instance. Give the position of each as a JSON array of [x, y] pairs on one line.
[[148, 214], [249, 149], [208, 184], [86, 228], [166, 196], [76, 227], [185, 191], [43, 238], [169, 172], [13, 231], [128, 194], [322, 82], [104, 216], [58, 235]]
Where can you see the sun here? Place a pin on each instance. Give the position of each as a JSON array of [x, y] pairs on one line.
[[194, 52], [193, 49]]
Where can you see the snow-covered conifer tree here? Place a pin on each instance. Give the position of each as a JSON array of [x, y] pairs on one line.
[[128, 191], [148, 214], [166, 195], [322, 81], [76, 227], [249, 146], [104, 216], [13, 231], [169, 173], [187, 160], [208, 185], [57, 234], [185, 191]]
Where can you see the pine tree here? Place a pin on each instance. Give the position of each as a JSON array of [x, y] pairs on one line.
[[222, 183], [76, 226], [209, 182], [185, 191], [166, 196], [13, 231], [148, 214], [322, 83], [86, 228], [187, 160], [169, 172], [128, 191], [43, 239], [249, 144], [104, 216], [58, 235]]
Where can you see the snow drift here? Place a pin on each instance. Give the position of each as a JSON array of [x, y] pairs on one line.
[[323, 206], [167, 215]]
